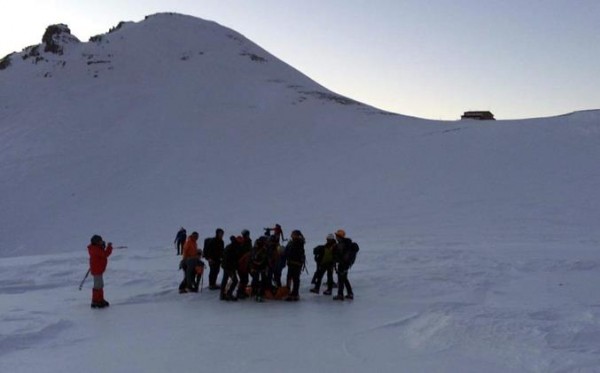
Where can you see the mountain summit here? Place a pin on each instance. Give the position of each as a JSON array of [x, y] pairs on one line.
[[163, 48]]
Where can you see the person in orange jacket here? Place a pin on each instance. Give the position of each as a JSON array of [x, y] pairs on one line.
[[189, 263], [99, 253]]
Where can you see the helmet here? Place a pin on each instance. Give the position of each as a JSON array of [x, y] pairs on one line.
[[340, 233]]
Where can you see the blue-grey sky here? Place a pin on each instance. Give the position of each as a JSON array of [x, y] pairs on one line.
[[427, 58]]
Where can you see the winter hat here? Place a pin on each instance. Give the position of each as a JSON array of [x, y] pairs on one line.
[[245, 233], [330, 237], [96, 239], [232, 239], [219, 230], [340, 233]]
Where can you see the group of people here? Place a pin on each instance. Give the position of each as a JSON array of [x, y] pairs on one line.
[[249, 268], [255, 268]]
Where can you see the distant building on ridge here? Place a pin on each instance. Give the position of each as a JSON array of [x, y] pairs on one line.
[[479, 115]]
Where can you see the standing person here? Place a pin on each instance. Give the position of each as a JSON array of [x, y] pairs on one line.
[[324, 259], [213, 252], [180, 240], [229, 265], [189, 262], [294, 253], [99, 253], [244, 250], [345, 254], [258, 268]]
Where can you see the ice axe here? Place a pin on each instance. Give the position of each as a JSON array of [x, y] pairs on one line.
[[84, 278]]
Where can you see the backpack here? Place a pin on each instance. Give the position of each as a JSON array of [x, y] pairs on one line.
[[352, 251]]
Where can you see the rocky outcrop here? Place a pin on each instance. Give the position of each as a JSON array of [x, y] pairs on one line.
[[57, 37]]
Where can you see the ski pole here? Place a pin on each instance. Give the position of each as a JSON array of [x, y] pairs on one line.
[[84, 278]]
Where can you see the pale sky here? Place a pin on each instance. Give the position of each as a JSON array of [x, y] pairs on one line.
[[426, 58]]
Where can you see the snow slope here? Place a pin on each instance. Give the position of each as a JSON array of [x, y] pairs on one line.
[[478, 240]]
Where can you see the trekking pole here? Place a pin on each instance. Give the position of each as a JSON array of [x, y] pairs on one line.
[[305, 269], [84, 278], [201, 281]]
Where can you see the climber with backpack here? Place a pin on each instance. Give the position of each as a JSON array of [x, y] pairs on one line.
[[324, 259], [344, 256]]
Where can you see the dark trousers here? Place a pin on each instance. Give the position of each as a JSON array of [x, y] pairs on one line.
[[343, 281], [179, 246], [319, 276], [241, 293], [259, 283], [293, 278], [228, 275], [215, 267], [190, 281]]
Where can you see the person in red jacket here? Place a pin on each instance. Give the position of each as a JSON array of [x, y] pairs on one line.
[[99, 253]]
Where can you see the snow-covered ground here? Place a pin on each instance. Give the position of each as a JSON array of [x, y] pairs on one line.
[[479, 240]]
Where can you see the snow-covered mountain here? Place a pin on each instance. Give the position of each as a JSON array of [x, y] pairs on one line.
[[178, 121], [478, 239]]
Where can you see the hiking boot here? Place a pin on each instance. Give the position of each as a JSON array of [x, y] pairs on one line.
[[214, 287], [316, 291], [327, 292], [291, 298], [97, 305], [223, 297], [338, 297], [105, 303], [350, 296], [259, 299], [182, 291]]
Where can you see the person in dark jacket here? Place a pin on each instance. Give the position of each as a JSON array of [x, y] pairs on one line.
[[180, 240], [276, 263], [344, 259], [259, 268], [244, 252], [229, 265], [213, 252], [294, 254], [99, 253], [324, 259]]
